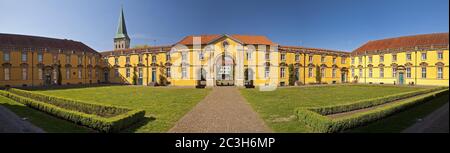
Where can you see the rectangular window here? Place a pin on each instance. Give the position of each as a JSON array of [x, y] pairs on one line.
[[127, 60], [67, 59], [183, 72], [267, 56], [282, 72], [184, 56], [267, 72], [154, 59], [360, 60], [360, 73], [80, 60], [408, 72], [370, 59], [168, 72], [333, 73], [24, 73], [140, 59], [394, 58], [353, 60], [310, 72], [40, 73], [201, 56], [408, 56], [283, 57], [394, 72], [90, 73], [424, 56], [297, 57], [80, 73], [310, 58], [381, 72], [55, 58], [370, 72], [128, 72], [381, 58], [249, 55], [322, 72], [353, 72], [24, 56], [7, 73], [67, 73], [424, 72], [116, 73], [440, 56], [334, 60], [440, 74], [322, 59], [6, 56], [167, 57], [40, 58], [90, 60], [116, 61], [343, 60], [141, 72]]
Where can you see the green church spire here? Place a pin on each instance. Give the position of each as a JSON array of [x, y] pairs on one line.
[[122, 28]]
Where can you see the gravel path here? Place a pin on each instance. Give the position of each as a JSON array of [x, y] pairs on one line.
[[11, 123], [436, 122], [224, 110]]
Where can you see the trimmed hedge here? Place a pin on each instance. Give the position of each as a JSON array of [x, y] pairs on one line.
[[102, 124], [366, 103], [324, 124], [77, 105]]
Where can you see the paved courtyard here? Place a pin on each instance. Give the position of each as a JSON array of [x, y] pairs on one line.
[[224, 110]]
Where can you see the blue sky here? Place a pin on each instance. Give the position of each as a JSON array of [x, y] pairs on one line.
[[331, 24]]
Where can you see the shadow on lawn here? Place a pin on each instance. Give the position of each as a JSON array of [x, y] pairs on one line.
[[133, 128], [47, 122]]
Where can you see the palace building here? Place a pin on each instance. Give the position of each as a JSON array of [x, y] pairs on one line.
[[40, 61], [222, 59]]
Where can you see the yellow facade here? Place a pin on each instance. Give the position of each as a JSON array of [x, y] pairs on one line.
[[38, 67], [435, 67]]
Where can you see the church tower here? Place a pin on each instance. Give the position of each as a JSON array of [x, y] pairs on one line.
[[121, 40]]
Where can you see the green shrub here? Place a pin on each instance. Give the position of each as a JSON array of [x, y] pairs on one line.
[[85, 107], [320, 123], [102, 124], [326, 110]]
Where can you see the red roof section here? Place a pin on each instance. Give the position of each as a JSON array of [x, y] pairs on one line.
[[24, 41], [437, 39], [245, 39]]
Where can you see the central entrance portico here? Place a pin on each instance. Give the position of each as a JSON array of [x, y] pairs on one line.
[[224, 71]]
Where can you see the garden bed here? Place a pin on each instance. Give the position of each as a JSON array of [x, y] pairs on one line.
[[320, 119], [103, 118]]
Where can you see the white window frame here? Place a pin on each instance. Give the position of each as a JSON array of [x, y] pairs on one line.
[[24, 73], [266, 72], [7, 72], [6, 56], [381, 72], [424, 72], [423, 56], [408, 72], [440, 55], [370, 72], [440, 72], [40, 57], [310, 72]]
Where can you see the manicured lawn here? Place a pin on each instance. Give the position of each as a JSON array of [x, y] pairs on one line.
[[47, 122], [163, 106], [277, 107], [400, 121]]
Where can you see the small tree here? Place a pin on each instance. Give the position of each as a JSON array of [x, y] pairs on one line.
[[318, 75], [292, 76], [134, 76]]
